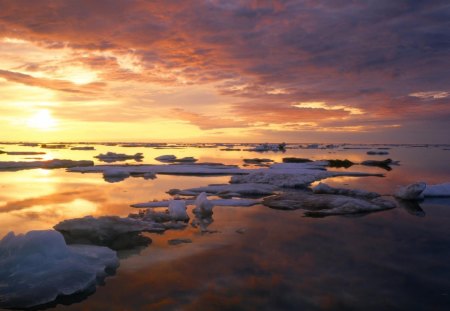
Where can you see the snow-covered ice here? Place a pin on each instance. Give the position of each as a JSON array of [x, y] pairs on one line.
[[37, 267]]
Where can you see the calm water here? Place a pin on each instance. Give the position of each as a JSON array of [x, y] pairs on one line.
[[391, 260]]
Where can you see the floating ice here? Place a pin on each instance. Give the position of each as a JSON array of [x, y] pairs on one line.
[[252, 189], [411, 192], [39, 266], [323, 188], [377, 152], [83, 148], [173, 169], [202, 205], [177, 210], [21, 152], [166, 158], [50, 164], [439, 190], [115, 157], [269, 147], [216, 202], [172, 159], [293, 175], [326, 204], [111, 231]]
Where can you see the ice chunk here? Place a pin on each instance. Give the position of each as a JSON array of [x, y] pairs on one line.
[[37, 267], [326, 204], [173, 169], [111, 231], [439, 190], [252, 189], [115, 157], [166, 158], [216, 202], [172, 159], [177, 210], [202, 205], [323, 188], [83, 148], [21, 152], [293, 175], [377, 152], [411, 192], [50, 164]]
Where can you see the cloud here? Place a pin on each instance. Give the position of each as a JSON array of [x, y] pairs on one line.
[[58, 85], [260, 57]]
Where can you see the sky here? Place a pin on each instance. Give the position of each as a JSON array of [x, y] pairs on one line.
[[373, 71]]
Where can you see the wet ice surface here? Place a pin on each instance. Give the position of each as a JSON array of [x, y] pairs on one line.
[[246, 258]]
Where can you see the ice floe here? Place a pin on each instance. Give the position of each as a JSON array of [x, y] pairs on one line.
[[116, 157], [421, 190], [215, 202], [38, 267], [172, 169], [326, 204], [377, 152], [177, 210], [21, 152], [203, 206], [228, 190], [50, 164], [269, 147], [112, 231], [323, 188], [83, 148], [411, 192], [439, 190], [293, 175], [173, 159]]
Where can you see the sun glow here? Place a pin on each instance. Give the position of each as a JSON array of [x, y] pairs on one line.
[[42, 120]]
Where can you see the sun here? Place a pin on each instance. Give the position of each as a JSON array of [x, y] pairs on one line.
[[42, 120]]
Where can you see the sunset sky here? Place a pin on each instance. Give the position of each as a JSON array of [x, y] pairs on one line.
[[225, 71]]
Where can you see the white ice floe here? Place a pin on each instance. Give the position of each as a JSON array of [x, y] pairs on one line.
[[203, 206], [50, 164], [215, 202], [37, 267], [177, 210], [293, 175], [439, 190], [229, 190], [323, 188], [173, 169], [326, 204], [113, 157], [411, 192], [111, 231]]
